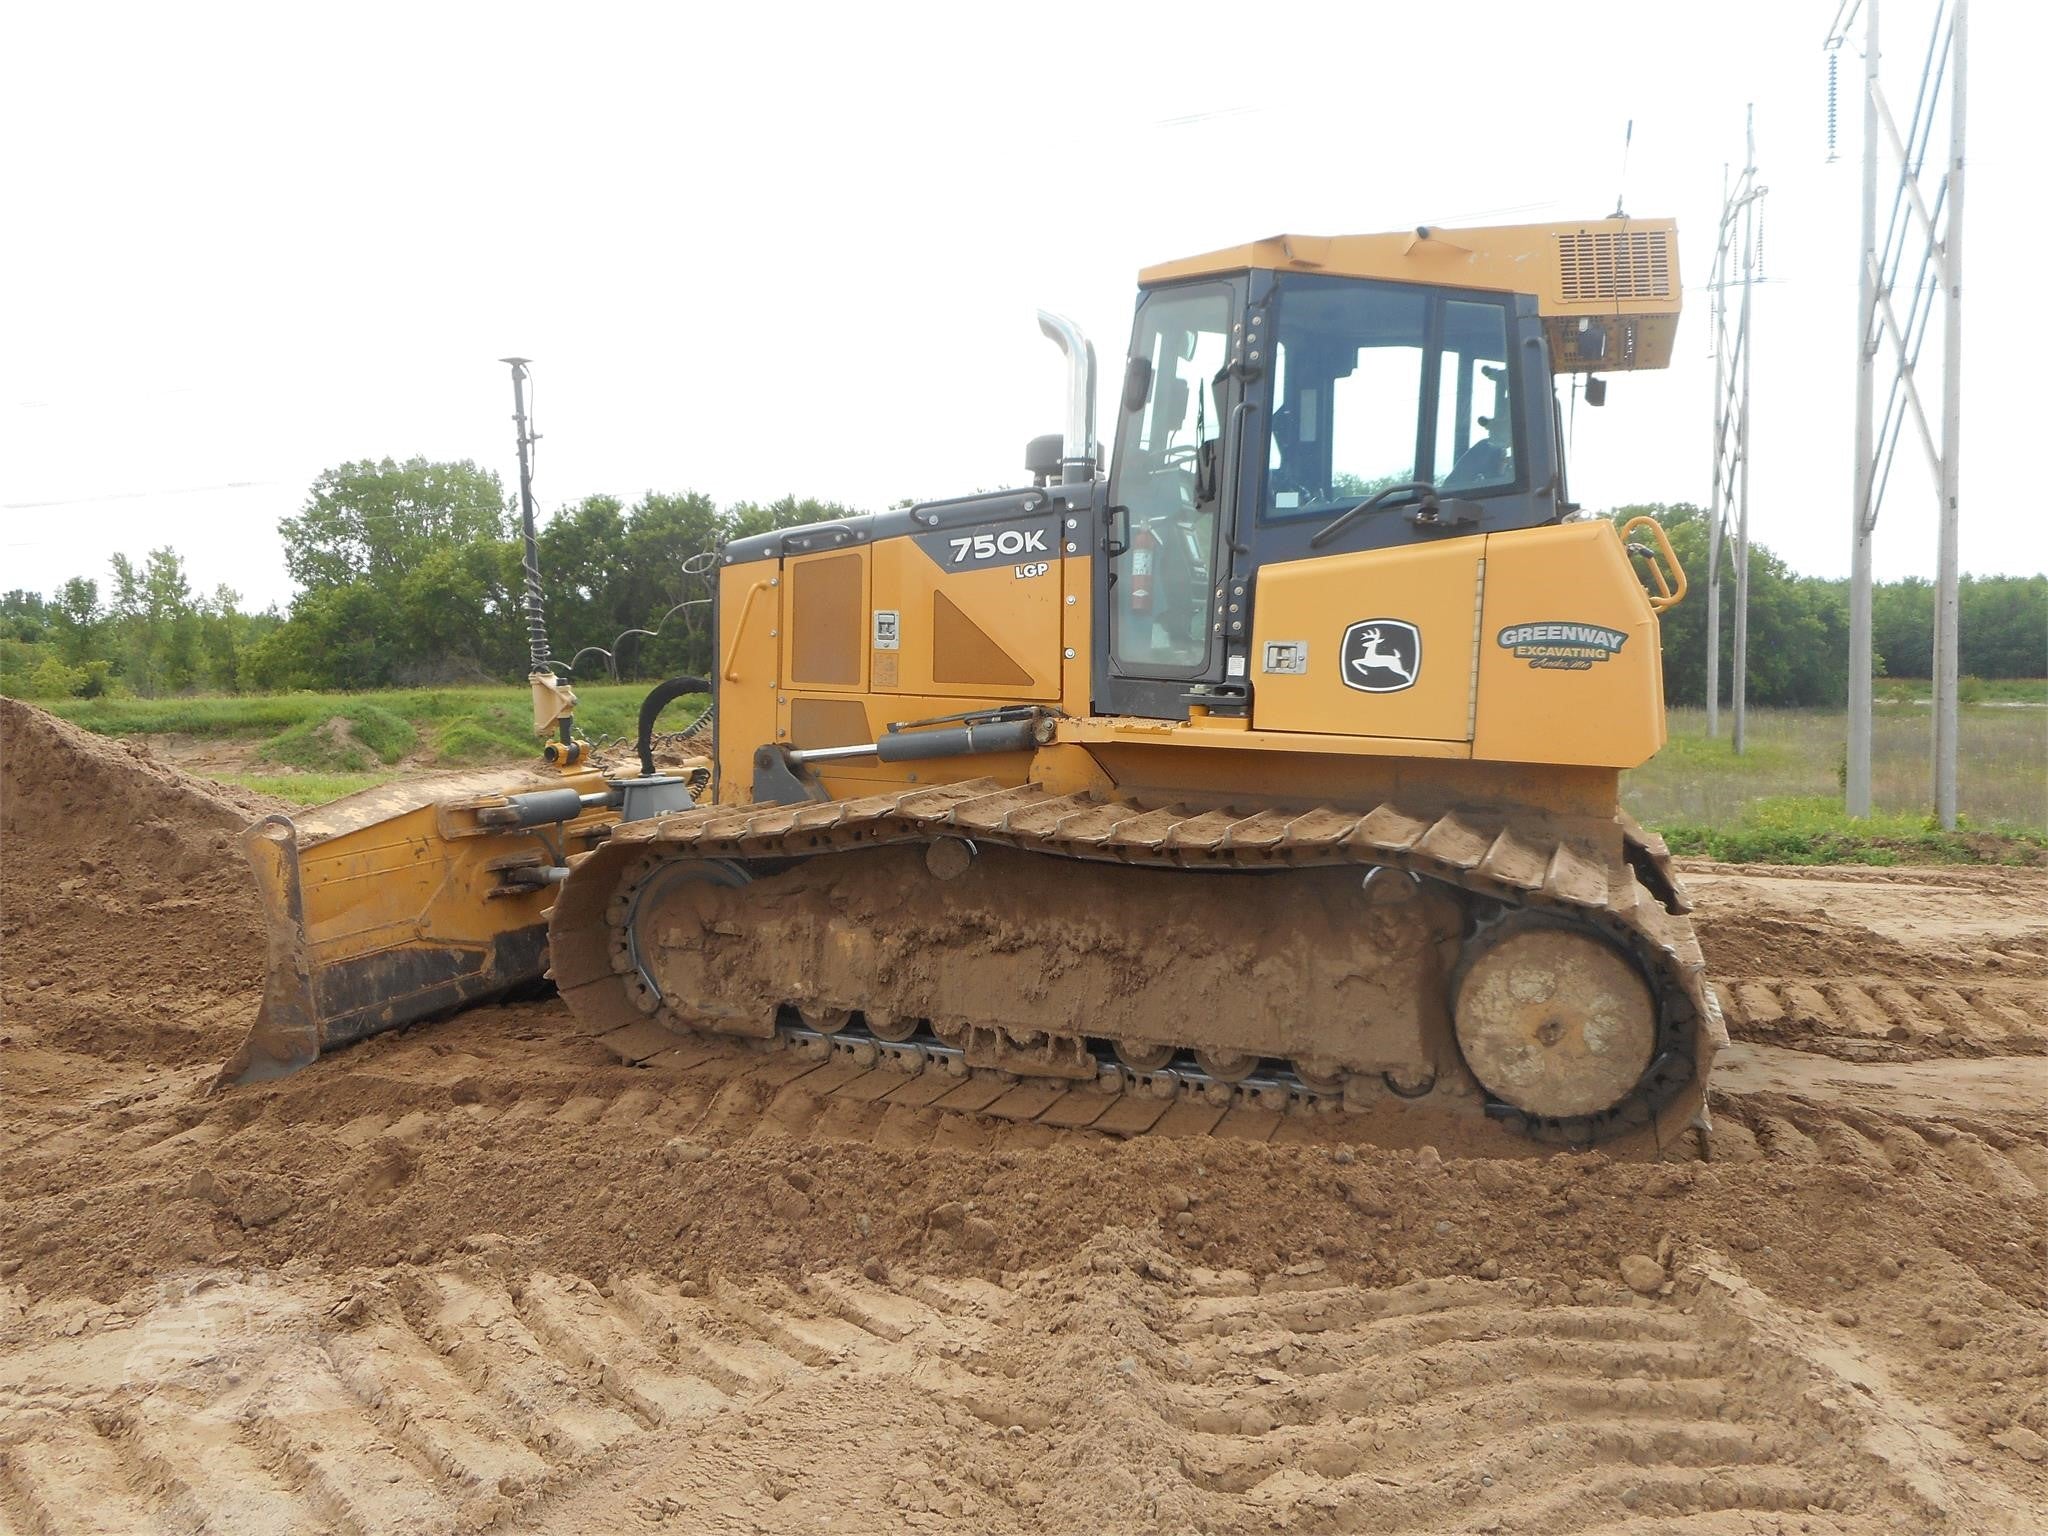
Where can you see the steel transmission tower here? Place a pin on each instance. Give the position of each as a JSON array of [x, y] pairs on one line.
[[1926, 218], [1740, 248]]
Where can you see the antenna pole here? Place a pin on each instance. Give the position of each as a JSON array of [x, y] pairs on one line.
[[1628, 135], [551, 699], [537, 650]]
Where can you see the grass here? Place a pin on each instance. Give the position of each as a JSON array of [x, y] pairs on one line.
[[357, 734], [603, 709], [346, 738], [1781, 801], [1814, 829], [307, 788], [1969, 690]]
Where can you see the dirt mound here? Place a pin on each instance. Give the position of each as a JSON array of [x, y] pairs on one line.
[[130, 925]]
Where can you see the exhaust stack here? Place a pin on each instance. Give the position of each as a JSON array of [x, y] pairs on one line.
[[1078, 456]]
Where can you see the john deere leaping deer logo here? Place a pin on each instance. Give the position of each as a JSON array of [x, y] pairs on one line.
[[1382, 655]]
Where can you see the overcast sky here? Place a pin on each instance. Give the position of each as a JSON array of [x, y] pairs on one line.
[[769, 249]]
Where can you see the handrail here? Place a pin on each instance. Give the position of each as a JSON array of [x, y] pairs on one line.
[[739, 630], [1667, 595]]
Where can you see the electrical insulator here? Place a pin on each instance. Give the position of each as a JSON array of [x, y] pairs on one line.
[[1834, 63]]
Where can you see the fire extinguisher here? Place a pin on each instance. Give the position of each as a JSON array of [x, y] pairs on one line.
[[1145, 548]]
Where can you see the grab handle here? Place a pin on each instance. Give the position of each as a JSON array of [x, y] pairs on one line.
[[1670, 589], [739, 630]]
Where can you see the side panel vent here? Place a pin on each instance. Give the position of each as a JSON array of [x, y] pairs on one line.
[[1602, 267]]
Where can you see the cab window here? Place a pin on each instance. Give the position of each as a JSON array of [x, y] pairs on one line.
[[1166, 475], [1379, 385]]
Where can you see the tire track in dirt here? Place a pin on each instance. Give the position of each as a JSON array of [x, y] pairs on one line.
[[1119, 1389], [1879, 965]]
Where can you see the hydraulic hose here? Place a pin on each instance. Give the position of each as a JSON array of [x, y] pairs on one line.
[[659, 698]]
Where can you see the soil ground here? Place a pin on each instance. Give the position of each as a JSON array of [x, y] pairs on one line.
[[479, 1275]]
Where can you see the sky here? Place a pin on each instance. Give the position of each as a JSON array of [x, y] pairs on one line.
[[758, 250]]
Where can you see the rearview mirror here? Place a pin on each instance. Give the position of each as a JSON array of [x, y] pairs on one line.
[[1596, 390], [1137, 383]]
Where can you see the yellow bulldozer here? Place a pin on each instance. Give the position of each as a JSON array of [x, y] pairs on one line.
[[1273, 756]]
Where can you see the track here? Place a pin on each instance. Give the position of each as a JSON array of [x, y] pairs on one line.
[[1626, 894], [466, 1395], [1879, 965]]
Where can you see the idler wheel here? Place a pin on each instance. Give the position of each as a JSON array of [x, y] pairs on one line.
[[1555, 1021]]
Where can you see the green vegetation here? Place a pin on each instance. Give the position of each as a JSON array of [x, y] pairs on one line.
[[1799, 627], [307, 788], [348, 737], [1812, 829], [407, 574], [1781, 800], [410, 574], [603, 709], [357, 734], [469, 742], [1969, 690]]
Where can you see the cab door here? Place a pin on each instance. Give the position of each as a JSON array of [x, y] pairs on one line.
[[1157, 600]]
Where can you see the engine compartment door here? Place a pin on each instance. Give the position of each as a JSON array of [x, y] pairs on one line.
[[969, 610]]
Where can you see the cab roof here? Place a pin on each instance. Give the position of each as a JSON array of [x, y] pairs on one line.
[[1618, 276]]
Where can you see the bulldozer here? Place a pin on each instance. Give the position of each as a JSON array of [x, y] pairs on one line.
[[1269, 754]]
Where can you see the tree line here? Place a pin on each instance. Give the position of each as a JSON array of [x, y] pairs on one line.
[[1799, 625], [409, 574]]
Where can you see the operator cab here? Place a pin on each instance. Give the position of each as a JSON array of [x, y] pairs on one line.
[[1299, 397], [1269, 405]]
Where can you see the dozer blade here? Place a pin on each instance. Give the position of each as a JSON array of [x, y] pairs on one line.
[[405, 902]]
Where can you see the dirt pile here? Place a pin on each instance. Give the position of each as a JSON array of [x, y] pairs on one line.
[[129, 925]]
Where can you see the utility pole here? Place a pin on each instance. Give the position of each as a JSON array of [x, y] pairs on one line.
[[1737, 242], [1856, 789], [1937, 222], [1739, 683], [1719, 308], [1946, 600]]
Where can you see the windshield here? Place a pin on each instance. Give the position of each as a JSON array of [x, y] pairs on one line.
[[1166, 474], [1381, 384]]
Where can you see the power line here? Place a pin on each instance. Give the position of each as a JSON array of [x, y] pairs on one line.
[[179, 490]]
